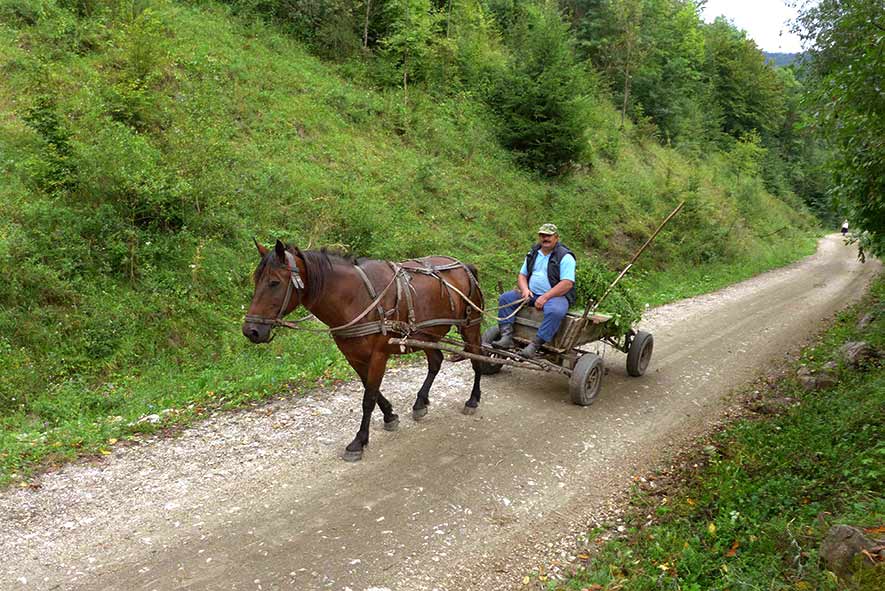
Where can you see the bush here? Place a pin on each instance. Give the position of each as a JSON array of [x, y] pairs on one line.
[[122, 168], [593, 278], [50, 168]]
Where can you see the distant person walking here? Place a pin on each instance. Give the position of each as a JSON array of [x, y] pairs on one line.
[[845, 227]]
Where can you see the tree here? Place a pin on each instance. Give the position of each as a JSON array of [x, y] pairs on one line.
[[541, 98], [412, 27], [747, 90], [847, 61], [611, 37], [628, 15], [653, 53], [670, 82]]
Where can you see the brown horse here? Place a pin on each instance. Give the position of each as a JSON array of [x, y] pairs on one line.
[[366, 302]]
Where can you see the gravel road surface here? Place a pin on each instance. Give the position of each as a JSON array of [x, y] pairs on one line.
[[260, 500]]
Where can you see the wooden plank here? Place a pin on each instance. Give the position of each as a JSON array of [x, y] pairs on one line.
[[573, 332]]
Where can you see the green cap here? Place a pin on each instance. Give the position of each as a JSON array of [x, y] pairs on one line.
[[548, 229]]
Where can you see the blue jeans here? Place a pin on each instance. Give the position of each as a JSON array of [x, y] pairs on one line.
[[554, 311]]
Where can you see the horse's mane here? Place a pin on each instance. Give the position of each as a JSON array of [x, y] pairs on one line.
[[318, 264]]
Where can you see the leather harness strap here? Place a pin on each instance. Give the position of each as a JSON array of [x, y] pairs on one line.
[[402, 275]]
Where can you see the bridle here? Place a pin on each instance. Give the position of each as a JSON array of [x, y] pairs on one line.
[[295, 283]]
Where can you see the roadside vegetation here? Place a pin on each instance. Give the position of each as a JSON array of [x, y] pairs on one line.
[[144, 143], [750, 508], [846, 60]]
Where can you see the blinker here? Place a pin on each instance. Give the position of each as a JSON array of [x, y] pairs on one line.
[[293, 270]]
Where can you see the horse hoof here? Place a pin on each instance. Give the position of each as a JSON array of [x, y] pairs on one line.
[[469, 410], [419, 413], [352, 456], [392, 425]]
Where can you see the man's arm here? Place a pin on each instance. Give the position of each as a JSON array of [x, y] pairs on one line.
[[523, 283]]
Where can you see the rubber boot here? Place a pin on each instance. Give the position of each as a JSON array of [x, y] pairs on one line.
[[530, 351], [505, 341]]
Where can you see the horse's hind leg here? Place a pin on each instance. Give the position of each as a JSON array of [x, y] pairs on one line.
[[471, 336], [372, 385], [391, 419], [422, 400]]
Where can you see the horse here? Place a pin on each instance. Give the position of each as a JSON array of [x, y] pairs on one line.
[[367, 303]]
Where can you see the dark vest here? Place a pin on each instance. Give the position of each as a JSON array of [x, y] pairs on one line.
[[552, 266]]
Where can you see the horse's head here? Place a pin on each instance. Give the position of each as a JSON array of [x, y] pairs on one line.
[[279, 286]]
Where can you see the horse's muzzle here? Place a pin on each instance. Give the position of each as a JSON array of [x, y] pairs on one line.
[[257, 333]]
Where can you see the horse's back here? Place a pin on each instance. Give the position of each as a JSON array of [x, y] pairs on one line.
[[428, 277], [451, 269]]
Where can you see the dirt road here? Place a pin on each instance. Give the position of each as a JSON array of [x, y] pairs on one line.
[[259, 500]]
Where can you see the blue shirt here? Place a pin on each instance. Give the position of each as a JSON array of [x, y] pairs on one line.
[[539, 284]]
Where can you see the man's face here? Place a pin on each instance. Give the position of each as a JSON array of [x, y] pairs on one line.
[[548, 240]]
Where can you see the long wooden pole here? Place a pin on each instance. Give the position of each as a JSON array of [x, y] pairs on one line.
[[538, 364], [587, 308]]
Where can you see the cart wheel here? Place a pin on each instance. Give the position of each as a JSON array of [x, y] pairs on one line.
[[485, 368], [640, 353], [586, 379]]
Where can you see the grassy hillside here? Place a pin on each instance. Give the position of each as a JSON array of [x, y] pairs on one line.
[[144, 145]]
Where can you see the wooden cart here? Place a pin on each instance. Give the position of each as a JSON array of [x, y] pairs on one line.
[[564, 354]]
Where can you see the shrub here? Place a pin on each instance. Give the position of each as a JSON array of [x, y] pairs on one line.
[[121, 167], [51, 168], [593, 277]]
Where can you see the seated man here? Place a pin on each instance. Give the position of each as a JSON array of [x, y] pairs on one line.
[[547, 278]]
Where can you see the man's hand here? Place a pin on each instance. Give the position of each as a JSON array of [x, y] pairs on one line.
[[527, 293], [539, 303]]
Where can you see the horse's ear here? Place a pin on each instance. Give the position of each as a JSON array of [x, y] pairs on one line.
[[298, 252], [280, 249], [262, 250]]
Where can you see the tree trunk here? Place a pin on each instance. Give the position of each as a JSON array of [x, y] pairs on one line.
[[626, 86], [406, 81], [366, 25], [626, 97]]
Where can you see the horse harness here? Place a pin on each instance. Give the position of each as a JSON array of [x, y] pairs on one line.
[[402, 280]]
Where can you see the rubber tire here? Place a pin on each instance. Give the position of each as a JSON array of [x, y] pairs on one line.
[[586, 379], [639, 355], [490, 334]]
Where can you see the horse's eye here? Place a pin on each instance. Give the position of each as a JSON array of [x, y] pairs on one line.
[[274, 283]]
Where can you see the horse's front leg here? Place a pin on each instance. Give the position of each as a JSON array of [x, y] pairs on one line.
[[422, 400], [371, 392]]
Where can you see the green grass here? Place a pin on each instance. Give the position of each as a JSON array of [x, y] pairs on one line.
[[681, 281], [142, 151], [753, 511]]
